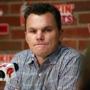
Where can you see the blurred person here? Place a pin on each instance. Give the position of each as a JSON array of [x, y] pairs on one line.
[[84, 82], [47, 65]]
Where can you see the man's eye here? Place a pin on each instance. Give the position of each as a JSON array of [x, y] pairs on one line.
[[48, 30], [32, 31]]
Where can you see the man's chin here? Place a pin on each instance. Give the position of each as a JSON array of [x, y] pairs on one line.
[[41, 54]]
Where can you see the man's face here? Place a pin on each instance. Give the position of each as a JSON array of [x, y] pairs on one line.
[[42, 34]]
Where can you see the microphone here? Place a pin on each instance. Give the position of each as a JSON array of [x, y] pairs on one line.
[[2, 74], [8, 70]]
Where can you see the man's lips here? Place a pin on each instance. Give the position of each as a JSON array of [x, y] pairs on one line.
[[41, 44]]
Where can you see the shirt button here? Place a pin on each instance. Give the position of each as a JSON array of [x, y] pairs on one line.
[[40, 74]]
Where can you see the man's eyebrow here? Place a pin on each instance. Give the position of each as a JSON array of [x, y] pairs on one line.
[[49, 26], [31, 28]]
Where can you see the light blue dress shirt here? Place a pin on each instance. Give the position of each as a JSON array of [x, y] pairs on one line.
[[60, 71]]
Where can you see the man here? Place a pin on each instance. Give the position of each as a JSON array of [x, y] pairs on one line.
[[47, 65]]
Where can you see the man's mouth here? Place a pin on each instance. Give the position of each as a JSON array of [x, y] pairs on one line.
[[41, 44]]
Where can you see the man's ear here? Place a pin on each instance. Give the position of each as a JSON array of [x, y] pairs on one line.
[[61, 35]]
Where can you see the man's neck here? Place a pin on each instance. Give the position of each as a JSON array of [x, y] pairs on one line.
[[40, 60]]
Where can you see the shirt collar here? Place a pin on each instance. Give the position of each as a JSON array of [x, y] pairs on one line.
[[30, 57], [51, 59]]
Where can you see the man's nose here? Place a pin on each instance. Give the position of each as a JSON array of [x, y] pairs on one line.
[[40, 35]]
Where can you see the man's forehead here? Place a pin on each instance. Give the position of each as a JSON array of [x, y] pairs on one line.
[[41, 28]]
